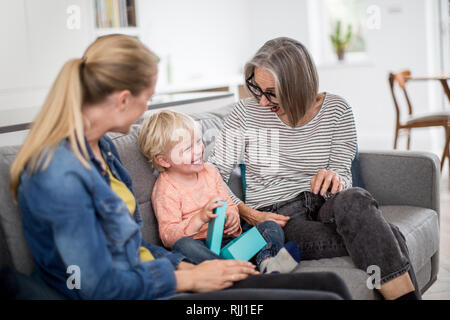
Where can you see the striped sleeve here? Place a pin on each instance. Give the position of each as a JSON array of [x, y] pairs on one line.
[[343, 146]]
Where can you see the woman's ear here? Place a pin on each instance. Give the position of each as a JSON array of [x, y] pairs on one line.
[[123, 99], [162, 161]]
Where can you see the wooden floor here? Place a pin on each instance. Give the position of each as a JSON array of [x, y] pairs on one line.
[[440, 290]]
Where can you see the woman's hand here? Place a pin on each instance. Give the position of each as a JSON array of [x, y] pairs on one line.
[[183, 265], [278, 218], [213, 275], [324, 179], [254, 217], [232, 224]]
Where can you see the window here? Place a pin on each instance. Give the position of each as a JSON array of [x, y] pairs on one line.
[[324, 16], [348, 13]]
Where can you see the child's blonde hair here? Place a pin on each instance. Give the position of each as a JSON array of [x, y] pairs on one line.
[[162, 131]]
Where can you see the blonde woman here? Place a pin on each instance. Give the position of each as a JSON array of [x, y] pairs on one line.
[[77, 202], [298, 145], [73, 191]]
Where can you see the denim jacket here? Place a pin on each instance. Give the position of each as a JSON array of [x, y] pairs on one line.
[[78, 229]]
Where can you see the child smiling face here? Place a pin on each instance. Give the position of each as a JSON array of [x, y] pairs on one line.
[[172, 141], [186, 157]]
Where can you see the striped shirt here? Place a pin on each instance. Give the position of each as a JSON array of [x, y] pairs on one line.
[[280, 160]]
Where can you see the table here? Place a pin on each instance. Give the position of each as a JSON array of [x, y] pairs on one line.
[[441, 78]]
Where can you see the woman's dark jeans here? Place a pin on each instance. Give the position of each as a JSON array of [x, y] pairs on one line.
[[348, 223]]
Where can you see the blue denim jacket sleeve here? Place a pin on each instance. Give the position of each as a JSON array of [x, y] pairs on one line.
[[66, 209]]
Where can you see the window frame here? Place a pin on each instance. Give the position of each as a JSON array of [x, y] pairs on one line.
[[319, 31]]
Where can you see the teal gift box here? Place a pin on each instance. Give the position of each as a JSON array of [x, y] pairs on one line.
[[245, 246], [215, 229]]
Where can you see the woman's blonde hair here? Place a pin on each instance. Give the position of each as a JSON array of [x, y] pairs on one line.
[[294, 72], [111, 63], [161, 131]]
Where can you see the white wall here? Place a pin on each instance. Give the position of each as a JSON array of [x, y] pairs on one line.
[[35, 44], [205, 39], [284, 18]]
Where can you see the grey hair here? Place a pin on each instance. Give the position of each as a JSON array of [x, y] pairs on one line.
[[294, 72]]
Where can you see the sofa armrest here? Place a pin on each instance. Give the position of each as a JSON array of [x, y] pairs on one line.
[[402, 177]]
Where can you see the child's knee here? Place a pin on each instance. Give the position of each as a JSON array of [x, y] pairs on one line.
[[186, 242], [271, 230], [268, 224]]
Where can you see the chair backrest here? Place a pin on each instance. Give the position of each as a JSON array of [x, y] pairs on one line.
[[401, 78]]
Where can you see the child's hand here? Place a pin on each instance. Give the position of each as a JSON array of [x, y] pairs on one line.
[[206, 213]]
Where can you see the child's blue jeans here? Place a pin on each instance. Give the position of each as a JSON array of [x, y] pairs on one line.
[[196, 251]]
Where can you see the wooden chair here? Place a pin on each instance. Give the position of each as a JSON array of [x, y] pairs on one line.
[[420, 121]]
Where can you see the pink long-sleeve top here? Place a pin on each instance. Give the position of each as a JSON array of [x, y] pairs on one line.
[[175, 204]]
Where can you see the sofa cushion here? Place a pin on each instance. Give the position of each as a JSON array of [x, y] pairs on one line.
[[142, 174], [211, 126], [354, 278], [17, 252], [418, 225], [143, 177]]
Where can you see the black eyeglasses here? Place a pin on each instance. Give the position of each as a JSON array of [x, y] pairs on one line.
[[257, 91]]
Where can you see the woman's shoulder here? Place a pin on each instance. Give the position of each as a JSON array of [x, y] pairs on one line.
[[335, 103], [63, 159], [107, 144], [244, 106], [248, 111], [64, 174], [336, 100], [249, 104]]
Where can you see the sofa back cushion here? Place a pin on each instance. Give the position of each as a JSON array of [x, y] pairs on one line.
[[14, 250], [143, 178]]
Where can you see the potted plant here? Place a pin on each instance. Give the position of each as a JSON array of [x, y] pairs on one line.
[[339, 41]]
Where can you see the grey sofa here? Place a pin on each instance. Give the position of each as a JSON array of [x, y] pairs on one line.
[[406, 185]]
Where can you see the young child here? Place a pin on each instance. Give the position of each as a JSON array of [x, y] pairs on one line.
[[187, 190]]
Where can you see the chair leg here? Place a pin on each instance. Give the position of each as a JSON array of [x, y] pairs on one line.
[[447, 145], [408, 145], [446, 153], [396, 138]]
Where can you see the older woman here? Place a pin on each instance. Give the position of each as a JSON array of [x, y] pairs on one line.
[[77, 201], [298, 145]]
